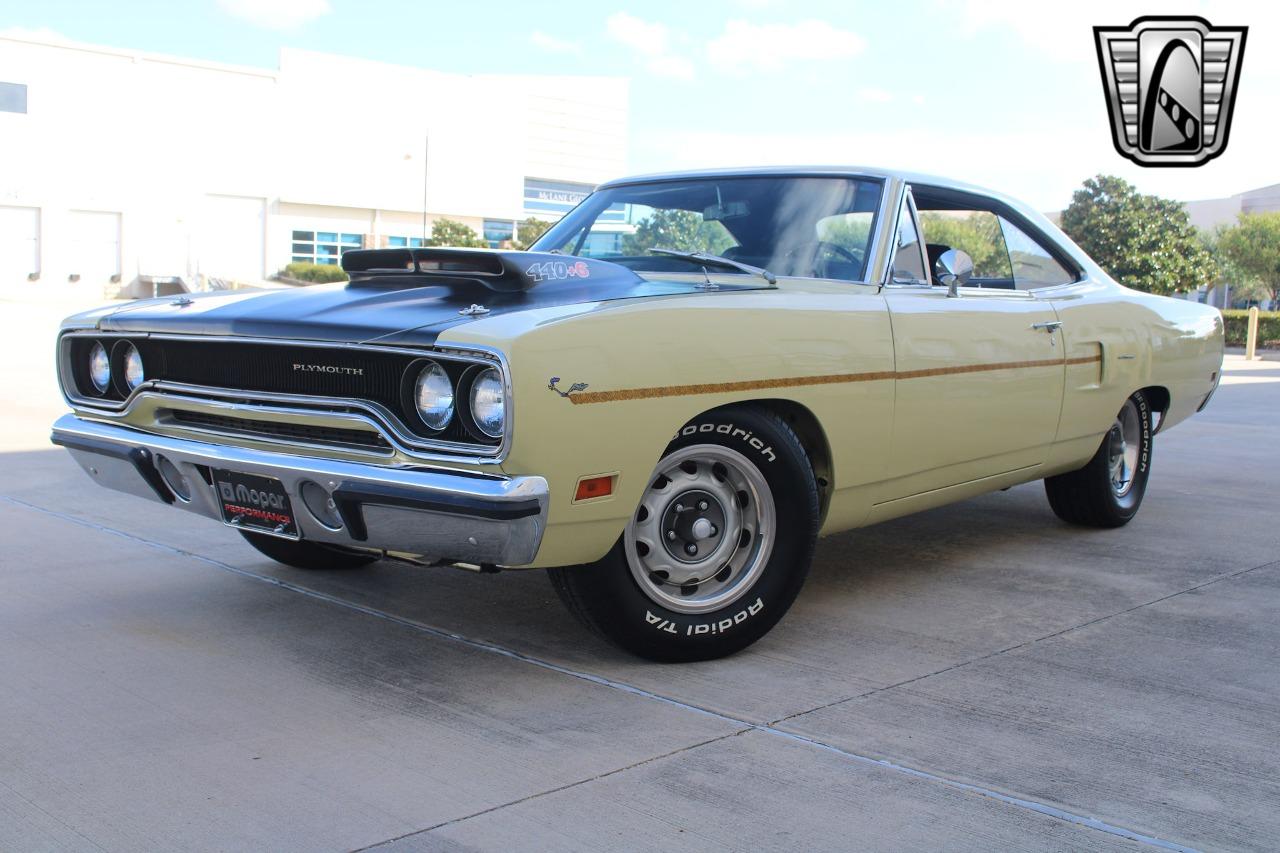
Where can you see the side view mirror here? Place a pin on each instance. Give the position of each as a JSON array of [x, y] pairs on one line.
[[953, 268]]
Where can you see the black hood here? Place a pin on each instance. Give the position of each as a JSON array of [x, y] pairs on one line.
[[401, 304]]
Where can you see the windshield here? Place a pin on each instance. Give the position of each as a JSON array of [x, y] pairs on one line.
[[813, 227]]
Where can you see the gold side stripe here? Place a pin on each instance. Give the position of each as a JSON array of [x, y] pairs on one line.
[[585, 397]]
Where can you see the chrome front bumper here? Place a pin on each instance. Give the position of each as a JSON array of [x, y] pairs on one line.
[[437, 515]]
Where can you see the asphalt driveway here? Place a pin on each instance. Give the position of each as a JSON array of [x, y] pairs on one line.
[[976, 677]]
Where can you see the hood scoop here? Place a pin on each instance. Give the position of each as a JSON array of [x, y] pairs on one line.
[[469, 270]]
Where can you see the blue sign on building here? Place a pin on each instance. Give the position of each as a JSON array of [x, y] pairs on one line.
[[552, 198]]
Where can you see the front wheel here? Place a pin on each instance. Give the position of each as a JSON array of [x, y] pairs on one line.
[[717, 550], [1108, 491]]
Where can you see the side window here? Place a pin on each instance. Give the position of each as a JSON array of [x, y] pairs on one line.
[[1033, 266], [908, 259], [976, 233]]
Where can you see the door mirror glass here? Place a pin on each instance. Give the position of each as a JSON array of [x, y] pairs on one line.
[[953, 270]]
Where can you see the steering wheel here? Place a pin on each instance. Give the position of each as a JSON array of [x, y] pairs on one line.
[[814, 248]]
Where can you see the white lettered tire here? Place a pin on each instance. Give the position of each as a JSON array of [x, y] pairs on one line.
[[718, 548], [1108, 491]]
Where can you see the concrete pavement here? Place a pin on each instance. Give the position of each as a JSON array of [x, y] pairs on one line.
[[976, 677]]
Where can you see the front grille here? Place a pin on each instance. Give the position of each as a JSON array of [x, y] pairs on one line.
[[281, 368], [329, 436]]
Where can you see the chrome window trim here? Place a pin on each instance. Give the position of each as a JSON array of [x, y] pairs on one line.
[[1000, 207], [891, 251], [387, 423]]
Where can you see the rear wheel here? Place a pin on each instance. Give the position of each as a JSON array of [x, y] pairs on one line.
[[302, 554], [1108, 491], [717, 550]]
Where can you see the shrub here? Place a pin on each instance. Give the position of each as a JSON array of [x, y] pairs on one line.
[[1237, 327], [446, 232], [315, 272]]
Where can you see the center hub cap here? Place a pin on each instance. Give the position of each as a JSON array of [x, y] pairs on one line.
[[692, 523]]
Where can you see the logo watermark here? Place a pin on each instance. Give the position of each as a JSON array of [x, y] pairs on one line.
[[1171, 85]]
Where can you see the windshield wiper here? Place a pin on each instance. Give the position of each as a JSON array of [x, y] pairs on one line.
[[718, 261]]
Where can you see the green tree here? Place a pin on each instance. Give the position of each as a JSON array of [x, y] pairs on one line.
[[528, 232], [1225, 272], [447, 232], [1252, 249], [1142, 241], [677, 229], [977, 234]]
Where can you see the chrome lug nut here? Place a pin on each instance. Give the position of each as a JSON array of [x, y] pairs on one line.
[[702, 505], [671, 534], [691, 549]]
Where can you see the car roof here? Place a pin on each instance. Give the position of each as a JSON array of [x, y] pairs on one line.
[[801, 171]]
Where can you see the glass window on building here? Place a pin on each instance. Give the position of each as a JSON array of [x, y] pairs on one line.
[[322, 247], [499, 231], [406, 242]]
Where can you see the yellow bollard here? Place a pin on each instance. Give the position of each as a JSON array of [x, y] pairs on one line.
[[1251, 337]]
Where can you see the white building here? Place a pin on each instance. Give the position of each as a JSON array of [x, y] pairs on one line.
[[117, 164], [1211, 212]]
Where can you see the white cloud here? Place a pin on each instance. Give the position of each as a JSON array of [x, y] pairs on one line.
[[551, 44], [1065, 35], [276, 14], [652, 41], [744, 46], [33, 34], [872, 95], [645, 37], [670, 65]]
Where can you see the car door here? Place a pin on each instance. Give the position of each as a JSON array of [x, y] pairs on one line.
[[979, 376]]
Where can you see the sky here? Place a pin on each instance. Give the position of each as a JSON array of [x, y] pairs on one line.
[[1002, 94]]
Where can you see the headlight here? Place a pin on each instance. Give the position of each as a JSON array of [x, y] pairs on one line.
[[433, 396], [100, 368], [133, 372], [488, 403]]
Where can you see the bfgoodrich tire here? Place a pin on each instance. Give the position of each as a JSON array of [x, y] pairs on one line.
[[717, 550], [1108, 491], [302, 554]]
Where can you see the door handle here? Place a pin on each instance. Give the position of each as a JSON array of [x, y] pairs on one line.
[[1049, 326]]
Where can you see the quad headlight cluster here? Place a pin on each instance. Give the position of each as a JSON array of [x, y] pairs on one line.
[[479, 392], [122, 362]]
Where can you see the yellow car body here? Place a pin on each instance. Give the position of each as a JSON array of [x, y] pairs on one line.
[[906, 399]]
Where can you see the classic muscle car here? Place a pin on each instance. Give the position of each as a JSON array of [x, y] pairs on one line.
[[687, 381]]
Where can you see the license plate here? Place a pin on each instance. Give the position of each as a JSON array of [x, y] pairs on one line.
[[255, 503]]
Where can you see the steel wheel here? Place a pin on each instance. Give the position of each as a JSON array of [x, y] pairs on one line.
[[704, 530], [1124, 443], [717, 549]]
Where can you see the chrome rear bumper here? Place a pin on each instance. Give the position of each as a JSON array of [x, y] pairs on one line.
[[438, 515]]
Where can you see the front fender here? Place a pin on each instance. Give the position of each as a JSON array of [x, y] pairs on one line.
[[652, 365]]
